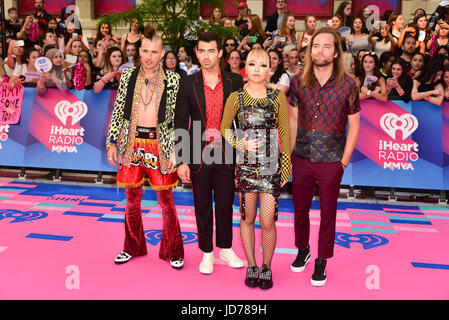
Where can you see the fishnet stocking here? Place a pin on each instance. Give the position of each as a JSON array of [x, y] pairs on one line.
[[247, 232], [267, 223]]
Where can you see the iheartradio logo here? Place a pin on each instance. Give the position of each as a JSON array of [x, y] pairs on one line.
[[76, 110], [406, 123]]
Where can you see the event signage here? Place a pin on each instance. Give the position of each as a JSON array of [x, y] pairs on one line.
[[10, 103], [400, 144]]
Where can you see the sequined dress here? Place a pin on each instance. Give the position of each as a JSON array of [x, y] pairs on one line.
[[265, 119]]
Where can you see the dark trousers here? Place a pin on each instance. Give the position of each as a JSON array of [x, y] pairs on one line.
[[305, 176], [219, 179]]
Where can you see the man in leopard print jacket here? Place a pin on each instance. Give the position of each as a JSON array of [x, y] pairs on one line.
[[142, 123]]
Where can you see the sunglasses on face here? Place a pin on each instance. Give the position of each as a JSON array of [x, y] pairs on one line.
[[230, 44]]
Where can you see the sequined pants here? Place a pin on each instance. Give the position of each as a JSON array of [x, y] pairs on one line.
[[146, 162], [171, 245], [305, 175]]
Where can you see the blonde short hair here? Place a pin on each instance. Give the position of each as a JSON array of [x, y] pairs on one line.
[[257, 53]]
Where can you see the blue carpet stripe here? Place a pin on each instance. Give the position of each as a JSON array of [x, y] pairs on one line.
[[408, 218], [94, 204], [112, 220], [377, 223], [113, 216], [438, 217], [237, 225], [48, 237], [375, 230], [433, 208], [59, 205], [410, 222], [430, 265], [4, 198], [84, 214], [12, 189], [403, 212], [123, 210]]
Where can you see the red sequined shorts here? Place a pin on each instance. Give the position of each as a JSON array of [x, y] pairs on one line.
[[145, 161]]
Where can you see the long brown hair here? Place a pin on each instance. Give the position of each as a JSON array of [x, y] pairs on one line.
[[283, 27], [256, 26], [339, 68]]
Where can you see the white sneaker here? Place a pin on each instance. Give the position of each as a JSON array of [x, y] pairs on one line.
[[231, 258], [207, 264]]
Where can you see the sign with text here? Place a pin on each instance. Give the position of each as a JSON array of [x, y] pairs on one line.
[[400, 144], [10, 103]]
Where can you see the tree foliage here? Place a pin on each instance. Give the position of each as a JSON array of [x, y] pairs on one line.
[[170, 18]]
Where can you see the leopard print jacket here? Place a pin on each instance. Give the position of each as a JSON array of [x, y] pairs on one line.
[[119, 127]]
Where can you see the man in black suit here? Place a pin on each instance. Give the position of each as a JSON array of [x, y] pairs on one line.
[[274, 21], [207, 160]]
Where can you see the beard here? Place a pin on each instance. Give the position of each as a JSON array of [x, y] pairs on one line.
[[322, 61]]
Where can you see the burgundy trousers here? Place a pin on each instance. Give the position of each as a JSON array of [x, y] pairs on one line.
[[171, 241], [305, 176]]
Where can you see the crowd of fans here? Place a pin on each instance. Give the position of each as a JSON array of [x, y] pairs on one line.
[[389, 59]]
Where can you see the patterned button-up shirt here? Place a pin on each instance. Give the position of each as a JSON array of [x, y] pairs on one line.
[[323, 116], [214, 110]]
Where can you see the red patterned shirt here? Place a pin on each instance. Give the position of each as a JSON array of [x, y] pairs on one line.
[[214, 110], [323, 116]]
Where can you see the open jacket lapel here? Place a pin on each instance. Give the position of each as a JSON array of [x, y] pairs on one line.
[[227, 86], [198, 88]]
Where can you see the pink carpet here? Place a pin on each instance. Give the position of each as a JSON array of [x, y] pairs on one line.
[[59, 242]]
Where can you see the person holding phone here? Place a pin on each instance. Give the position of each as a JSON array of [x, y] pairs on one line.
[[439, 38], [357, 40], [419, 30], [71, 34], [26, 73], [104, 31], [428, 85], [15, 56], [399, 82], [109, 76], [383, 40], [287, 32]]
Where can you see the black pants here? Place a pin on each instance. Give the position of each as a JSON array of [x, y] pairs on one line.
[[219, 179]]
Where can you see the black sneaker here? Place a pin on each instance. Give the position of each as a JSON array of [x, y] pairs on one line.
[[265, 278], [252, 277], [319, 274], [301, 260]]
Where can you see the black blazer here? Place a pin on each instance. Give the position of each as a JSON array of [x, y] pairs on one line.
[[272, 22], [191, 105]]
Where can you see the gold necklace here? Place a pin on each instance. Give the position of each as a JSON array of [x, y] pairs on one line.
[[155, 88]]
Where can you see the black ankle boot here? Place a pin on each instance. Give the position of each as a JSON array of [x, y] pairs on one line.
[[252, 276], [265, 278]]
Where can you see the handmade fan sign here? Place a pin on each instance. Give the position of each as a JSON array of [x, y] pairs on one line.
[[43, 64], [10, 103], [344, 31], [369, 79]]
